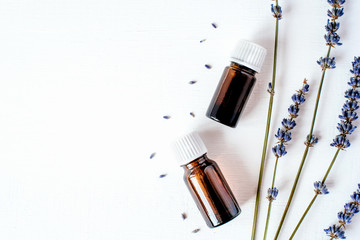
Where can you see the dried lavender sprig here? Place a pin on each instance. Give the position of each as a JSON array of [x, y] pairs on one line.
[[337, 231], [284, 136], [341, 142], [326, 63], [277, 13]]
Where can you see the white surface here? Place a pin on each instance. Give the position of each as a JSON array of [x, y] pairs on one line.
[[84, 86]]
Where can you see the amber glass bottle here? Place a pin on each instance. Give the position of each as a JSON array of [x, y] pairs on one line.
[[205, 182], [236, 83]]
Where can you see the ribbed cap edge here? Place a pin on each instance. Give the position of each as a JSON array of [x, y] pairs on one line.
[[189, 147], [249, 54]]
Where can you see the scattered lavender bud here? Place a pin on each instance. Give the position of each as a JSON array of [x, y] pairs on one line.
[[192, 114], [214, 25], [208, 66], [166, 117], [203, 40], [196, 230], [163, 175], [184, 216], [152, 155], [192, 82]]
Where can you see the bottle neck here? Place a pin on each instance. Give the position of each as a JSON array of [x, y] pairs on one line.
[[243, 68], [196, 162]]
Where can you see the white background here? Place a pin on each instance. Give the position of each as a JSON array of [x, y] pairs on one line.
[[84, 86]]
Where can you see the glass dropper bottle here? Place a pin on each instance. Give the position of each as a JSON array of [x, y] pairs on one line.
[[206, 182], [236, 83]]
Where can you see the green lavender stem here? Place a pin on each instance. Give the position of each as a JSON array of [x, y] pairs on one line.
[[316, 194], [330, 166], [267, 219], [305, 152], [266, 133], [303, 216], [270, 201]]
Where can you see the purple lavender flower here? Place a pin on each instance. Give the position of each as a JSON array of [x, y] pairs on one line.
[[344, 218], [326, 63], [320, 188], [272, 193], [350, 106], [356, 66], [351, 208], [332, 26], [335, 232], [356, 198], [311, 141], [332, 39], [348, 116], [340, 141], [298, 98], [283, 135], [345, 127], [336, 3], [270, 89], [305, 88], [354, 82], [279, 150], [288, 123], [352, 94], [276, 10], [293, 111], [335, 13]]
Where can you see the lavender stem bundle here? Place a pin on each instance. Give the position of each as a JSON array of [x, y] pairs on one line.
[[277, 14], [332, 39], [345, 128]]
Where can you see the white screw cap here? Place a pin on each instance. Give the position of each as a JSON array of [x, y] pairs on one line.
[[189, 148], [249, 54]]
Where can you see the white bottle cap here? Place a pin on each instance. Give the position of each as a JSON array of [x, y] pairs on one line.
[[249, 54], [189, 148]]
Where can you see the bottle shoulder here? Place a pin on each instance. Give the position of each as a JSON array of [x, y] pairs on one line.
[[240, 68], [200, 169]]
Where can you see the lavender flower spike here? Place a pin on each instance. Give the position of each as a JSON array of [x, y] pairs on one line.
[[284, 135], [349, 114], [344, 217]]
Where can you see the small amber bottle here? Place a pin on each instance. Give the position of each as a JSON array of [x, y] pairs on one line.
[[236, 83], [205, 182]]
